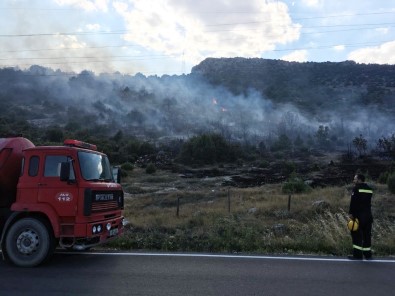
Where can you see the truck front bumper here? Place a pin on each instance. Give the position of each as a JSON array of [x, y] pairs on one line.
[[91, 234]]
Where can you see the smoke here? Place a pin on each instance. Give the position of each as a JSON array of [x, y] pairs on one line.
[[183, 106]]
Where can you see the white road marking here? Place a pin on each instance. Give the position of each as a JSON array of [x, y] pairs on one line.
[[301, 258]]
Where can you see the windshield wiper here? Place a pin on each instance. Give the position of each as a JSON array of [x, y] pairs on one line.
[[100, 180]]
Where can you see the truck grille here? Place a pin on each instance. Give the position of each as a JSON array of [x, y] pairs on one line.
[[104, 206], [101, 201]]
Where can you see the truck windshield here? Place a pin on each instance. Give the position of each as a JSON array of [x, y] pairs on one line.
[[94, 167]]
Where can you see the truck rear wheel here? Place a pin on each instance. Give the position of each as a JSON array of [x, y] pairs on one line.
[[29, 242]]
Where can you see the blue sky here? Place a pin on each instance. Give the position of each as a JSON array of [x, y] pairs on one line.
[[157, 37]]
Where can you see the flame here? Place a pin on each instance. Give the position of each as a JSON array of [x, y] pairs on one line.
[[215, 102]]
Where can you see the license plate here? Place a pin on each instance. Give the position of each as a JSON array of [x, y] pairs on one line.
[[113, 231]]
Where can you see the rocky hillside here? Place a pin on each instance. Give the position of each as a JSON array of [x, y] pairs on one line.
[[310, 86]]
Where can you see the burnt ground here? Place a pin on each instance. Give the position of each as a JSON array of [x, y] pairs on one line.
[[317, 170]]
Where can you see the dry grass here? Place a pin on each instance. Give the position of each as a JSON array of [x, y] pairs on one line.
[[256, 220]]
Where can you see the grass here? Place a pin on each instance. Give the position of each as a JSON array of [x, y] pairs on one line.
[[256, 220]]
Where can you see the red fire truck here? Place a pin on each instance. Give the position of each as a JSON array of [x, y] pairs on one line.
[[67, 196]]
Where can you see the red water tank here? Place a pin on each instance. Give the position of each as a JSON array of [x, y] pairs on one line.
[[10, 167]]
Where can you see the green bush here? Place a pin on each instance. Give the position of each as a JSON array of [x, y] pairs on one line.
[[263, 164], [295, 185], [282, 143], [124, 173], [150, 169], [391, 183], [208, 149], [289, 168], [127, 166]]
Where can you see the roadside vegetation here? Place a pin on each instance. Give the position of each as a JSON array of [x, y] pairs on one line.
[[169, 213]]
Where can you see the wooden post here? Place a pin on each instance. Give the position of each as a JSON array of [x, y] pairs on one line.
[[178, 206], [228, 200], [289, 202]]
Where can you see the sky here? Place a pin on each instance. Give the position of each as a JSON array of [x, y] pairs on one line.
[[169, 37]]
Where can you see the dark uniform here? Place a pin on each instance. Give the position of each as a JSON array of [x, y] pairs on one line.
[[360, 208]]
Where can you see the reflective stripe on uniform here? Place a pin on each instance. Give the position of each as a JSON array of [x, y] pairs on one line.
[[365, 191], [361, 248]]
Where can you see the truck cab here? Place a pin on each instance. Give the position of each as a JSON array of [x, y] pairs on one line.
[[65, 196]]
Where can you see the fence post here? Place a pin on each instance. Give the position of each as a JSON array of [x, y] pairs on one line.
[[228, 200], [178, 206], [289, 202]]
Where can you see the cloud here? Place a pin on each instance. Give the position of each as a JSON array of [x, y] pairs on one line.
[[311, 3], [383, 54], [93, 27], [195, 30], [88, 5], [68, 42], [339, 47], [296, 56]]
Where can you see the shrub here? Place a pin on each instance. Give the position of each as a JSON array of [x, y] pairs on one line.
[[295, 185], [207, 149], [124, 173], [127, 166], [150, 169], [54, 134], [289, 168], [263, 164], [391, 183], [282, 143]]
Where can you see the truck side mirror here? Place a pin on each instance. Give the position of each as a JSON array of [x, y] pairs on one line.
[[65, 171], [116, 173]]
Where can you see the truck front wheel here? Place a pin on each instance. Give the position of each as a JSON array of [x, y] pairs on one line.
[[29, 242]]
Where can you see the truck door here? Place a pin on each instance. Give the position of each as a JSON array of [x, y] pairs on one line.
[[63, 196], [30, 180]]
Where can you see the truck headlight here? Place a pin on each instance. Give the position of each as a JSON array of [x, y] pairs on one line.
[[108, 226], [94, 229], [124, 222]]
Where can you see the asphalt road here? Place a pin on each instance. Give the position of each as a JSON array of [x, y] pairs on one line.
[[197, 274]]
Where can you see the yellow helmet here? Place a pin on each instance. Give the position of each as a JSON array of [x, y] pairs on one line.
[[353, 224]]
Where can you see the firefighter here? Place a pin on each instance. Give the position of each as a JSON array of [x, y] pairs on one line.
[[360, 208]]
